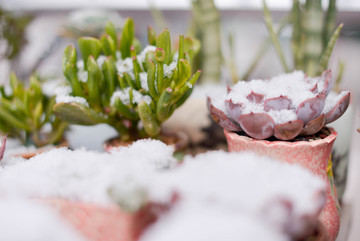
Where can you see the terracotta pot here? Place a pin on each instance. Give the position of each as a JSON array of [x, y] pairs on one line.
[[312, 155], [29, 154], [110, 223], [179, 140]]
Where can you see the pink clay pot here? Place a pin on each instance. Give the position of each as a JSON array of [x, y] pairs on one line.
[[99, 223], [312, 155]]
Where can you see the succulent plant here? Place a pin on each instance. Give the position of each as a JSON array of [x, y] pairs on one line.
[[285, 106], [27, 113], [131, 90]]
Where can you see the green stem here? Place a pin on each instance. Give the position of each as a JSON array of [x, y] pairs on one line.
[[273, 36]]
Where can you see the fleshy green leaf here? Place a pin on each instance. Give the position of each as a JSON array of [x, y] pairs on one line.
[[127, 38]]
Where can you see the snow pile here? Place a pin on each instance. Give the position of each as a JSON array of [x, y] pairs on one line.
[[124, 96], [232, 186], [221, 195], [71, 99], [83, 175], [22, 220]]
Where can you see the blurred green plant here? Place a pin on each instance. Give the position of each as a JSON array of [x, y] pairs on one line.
[[313, 37], [207, 26], [12, 30], [131, 90], [27, 113]]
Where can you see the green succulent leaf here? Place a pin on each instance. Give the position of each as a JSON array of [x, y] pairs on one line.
[[127, 38], [76, 113], [94, 83], [70, 70], [184, 72], [163, 107], [111, 31], [151, 36], [109, 73], [108, 46], [124, 110], [148, 118], [89, 46], [163, 41]]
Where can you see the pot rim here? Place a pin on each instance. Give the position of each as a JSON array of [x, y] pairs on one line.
[[329, 139]]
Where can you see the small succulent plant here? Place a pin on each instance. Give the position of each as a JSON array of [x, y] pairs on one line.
[[285, 106], [27, 113], [131, 90]]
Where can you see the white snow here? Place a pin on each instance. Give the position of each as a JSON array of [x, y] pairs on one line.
[[125, 98], [24, 220], [83, 175], [82, 75], [71, 99], [143, 81], [332, 99], [125, 65], [169, 69], [142, 56], [217, 188], [100, 60], [55, 87], [244, 191], [295, 86]]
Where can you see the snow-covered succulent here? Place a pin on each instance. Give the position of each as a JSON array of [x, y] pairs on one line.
[[284, 106], [119, 84]]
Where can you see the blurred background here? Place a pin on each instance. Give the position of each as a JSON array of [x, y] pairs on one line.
[[34, 34]]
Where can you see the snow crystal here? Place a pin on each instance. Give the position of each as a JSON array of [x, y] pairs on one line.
[[199, 222], [143, 80], [142, 56], [71, 99], [188, 85], [125, 65], [332, 99], [125, 98], [82, 75], [282, 116], [231, 181], [100, 60], [25, 220], [169, 69], [85, 175], [55, 87]]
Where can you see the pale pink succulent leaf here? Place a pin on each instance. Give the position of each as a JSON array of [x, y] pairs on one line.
[[338, 110], [326, 82], [221, 119], [277, 103], [257, 125], [228, 89], [255, 97], [288, 130], [234, 109], [310, 108], [2, 147], [313, 126], [314, 89]]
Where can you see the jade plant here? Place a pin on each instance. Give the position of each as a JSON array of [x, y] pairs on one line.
[[27, 114], [285, 106], [119, 84]]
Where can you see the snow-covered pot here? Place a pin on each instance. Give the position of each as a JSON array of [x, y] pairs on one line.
[[179, 140], [284, 109], [27, 153], [313, 155]]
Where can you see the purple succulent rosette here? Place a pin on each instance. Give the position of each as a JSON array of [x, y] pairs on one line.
[[284, 106]]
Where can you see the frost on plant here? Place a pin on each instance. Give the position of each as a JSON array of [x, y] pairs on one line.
[[284, 106], [119, 84]]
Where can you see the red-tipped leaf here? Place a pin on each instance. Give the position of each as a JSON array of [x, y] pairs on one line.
[[338, 110], [257, 125], [277, 103], [221, 119], [313, 126], [288, 130], [255, 97], [233, 109], [311, 108]]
